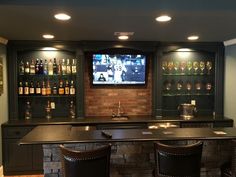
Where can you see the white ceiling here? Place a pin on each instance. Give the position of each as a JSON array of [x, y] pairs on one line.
[[212, 20]]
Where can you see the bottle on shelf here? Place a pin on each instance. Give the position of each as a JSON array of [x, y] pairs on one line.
[[61, 90], [72, 110], [72, 88], [38, 89], [32, 67], [28, 111], [45, 67], [55, 66], [59, 68], [68, 67], [73, 66], [21, 68], [67, 88], [20, 89], [37, 66], [44, 89], [48, 110], [27, 68], [41, 67], [26, 88], [31, 89], [50, 67], [54, 89], [48, 89], [63, 67]]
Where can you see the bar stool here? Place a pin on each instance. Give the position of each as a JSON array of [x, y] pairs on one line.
[[229, 168], [177, 160], [92, 163]]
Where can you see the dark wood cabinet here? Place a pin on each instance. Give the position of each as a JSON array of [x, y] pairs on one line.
[[18, 159]]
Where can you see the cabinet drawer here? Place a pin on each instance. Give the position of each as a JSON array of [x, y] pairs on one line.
[[16, 132]]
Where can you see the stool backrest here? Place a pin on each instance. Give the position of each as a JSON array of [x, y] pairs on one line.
[[92, 163], [178, 161]]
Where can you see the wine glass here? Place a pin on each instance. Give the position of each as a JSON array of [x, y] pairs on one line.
[[164, 66], [208, 66], [176, 66], [202, 66], [195, 66], [183, 65], [198, 86], [179, 85], [188, 86], [170, 65], [189, 66]]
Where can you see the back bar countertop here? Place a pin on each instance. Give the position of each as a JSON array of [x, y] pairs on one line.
[[56, 134]]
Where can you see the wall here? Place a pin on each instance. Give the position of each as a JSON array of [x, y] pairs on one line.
[[3, 97], [229, 87], [101, 101]]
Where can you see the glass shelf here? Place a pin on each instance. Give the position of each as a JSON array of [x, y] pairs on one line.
[[44, 75], [186, 74], [187, 94], [46, 96]]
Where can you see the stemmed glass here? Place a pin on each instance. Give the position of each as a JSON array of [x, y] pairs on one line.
[[188, 86], [176, 66], [170, 65], [208, 66], [179, 85], [195, 66], [189, 66], [164, 66], [202, 66], [183, 66]]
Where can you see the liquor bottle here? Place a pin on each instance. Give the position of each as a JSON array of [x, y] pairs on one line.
[[45, 67], [37, 66], [32, 67], [68, 67], [54, 89], [38, 89], [73, 66], [48, 89], [44, 90], [21, 68], [41, 67], [61, 89], [72, 88], [50, 67], [48, 110], [28, 111], [72, 110], [26, 88], [31, 89], [63, 67], [67, 88], [27, 68], [20, 89], [55, 66], [59, 68]]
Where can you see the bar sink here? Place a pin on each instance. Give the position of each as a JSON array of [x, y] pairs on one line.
[[120, 118]]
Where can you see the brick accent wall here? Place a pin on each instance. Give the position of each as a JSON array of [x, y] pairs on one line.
[[102, 100]]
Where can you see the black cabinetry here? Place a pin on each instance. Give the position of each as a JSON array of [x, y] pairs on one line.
[[189, 73], [20, 159]]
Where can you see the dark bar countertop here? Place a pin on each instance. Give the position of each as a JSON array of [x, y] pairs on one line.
[[57, 134]]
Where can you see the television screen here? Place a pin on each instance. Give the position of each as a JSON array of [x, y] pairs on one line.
[[118, 69]]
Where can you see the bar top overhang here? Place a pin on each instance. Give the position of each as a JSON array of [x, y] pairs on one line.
[[56, 134]]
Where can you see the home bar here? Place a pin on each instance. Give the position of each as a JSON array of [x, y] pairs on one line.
[[160, 106]]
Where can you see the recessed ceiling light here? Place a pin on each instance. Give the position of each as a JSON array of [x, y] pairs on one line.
[[163, 18], [123, 37], [192, 38], [48, 36], [62, 16]]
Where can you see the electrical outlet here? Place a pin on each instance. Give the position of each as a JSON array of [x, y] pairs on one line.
[[53, 105], [193, 102]]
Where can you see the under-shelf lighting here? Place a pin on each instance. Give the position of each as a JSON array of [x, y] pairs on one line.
[[48, 36], [62, 16], [163, 18], [193, 38]]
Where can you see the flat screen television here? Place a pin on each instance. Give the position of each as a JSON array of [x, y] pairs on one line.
[[119, 69]]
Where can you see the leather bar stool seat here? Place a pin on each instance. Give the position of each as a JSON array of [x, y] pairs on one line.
[[92, 163], [177, 160]]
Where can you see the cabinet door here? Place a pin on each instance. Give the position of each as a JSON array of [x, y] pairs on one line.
[[16, 158], [37, 157]]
